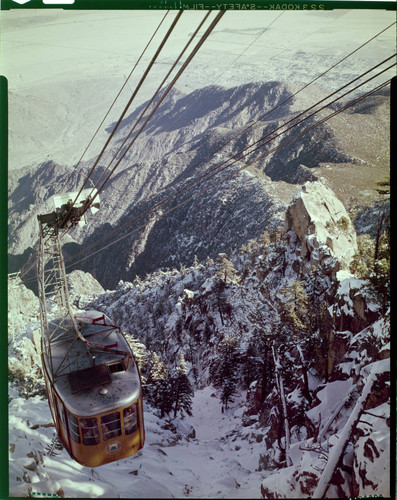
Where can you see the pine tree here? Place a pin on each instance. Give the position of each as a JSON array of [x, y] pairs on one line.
[[181, 388], [159, 386], [140, 352], [227, 271], [372, 261], [224, 369], [294, 310], [379, 277], [363, 259], [163, 395]]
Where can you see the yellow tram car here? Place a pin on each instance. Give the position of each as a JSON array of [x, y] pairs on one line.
[[94, 391]]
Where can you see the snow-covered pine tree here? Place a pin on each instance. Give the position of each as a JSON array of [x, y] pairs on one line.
[[181, 388], [372, 261], [140, 352], [295, 348], [363, 259], [159, 387], [227, 272], [224, 367], [294, 309]]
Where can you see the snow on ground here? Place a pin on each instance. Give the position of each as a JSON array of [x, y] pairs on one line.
[[220, 462]]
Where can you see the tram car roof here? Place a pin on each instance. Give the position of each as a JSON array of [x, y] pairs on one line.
[[97, 376]]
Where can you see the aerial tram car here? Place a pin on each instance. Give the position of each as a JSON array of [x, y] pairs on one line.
[[93, 382]]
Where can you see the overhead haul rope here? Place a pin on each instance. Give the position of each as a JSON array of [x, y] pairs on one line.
[[359, 99], [242, 153], [118, 95], [154, 95], [182, 69], [176, 19], [234, 172]]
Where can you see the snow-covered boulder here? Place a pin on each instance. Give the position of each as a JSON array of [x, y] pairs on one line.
[[325, 231], [83, 288]]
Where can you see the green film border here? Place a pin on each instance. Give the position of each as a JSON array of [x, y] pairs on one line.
[[197, 4], [3, 284]]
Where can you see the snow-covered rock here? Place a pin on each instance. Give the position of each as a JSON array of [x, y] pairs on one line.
[[354, 309], [323, 227]]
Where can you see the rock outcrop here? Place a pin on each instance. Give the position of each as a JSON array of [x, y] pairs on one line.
[[23, 306], [83, 287], [325, 232]]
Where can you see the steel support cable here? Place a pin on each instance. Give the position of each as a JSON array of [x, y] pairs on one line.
[[236, 156], [230, 175], [182, 69], [248, 47], [117, 96], [30, 263], [300, 90], [239, 169], [155, 94], [233, 160], [143, 78]]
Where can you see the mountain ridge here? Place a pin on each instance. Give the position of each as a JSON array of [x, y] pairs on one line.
[[175, 157]]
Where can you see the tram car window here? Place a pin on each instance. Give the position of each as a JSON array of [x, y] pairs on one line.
[[111, 426], [61, 412], [73, 428], [130, 419], [89, 431]]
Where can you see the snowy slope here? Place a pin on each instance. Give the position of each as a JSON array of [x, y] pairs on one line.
[[220, 462]]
